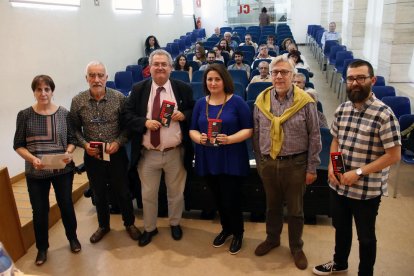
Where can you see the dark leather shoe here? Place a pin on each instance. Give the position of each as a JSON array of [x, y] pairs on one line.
[[221, 239], [133, 232], [301, 261], [236, 245], [176, 232], [41, 257], [99, 234], [75, 245], [146, 237], [265, 247]]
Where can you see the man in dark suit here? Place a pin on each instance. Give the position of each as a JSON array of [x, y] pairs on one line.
[[156, 148]]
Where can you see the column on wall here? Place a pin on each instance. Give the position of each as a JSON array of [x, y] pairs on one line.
[[355, 28], [334, 14], [397, 40], [324, 12]]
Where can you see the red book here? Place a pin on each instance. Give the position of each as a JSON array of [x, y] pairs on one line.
[[167, 109], [338, 162], [101, 146], [214, 128]]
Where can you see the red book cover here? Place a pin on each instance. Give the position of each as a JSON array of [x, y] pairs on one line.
[[338, 162], [167, 109], [101, 146], [214, 128]]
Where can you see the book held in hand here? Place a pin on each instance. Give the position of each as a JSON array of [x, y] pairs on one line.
[[167, 109], [338, 162], [101, 146], [214, 128]]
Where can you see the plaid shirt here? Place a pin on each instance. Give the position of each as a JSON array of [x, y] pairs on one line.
[[363, 135]]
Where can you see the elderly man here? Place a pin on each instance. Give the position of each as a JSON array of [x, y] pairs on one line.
[[157, 148], [238, 64], [286, 143], [264, 73], [232, 43], [263, 52], [330, 35], [216, 33], [95, 115], [249, 42], [366, 132]]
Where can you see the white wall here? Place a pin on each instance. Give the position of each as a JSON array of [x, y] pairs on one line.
[[60, 43], [304, 13]]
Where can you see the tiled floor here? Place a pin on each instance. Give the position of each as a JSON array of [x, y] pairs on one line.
[[117, 254]]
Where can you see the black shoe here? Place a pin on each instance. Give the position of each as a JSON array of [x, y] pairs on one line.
[[99, 234], [75, 245], [41, 257], [236, 245], [176, 232], [324, 67], [146, 237], [221, 239], [329, 268]]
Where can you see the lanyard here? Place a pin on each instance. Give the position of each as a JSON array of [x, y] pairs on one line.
[[221, 109]]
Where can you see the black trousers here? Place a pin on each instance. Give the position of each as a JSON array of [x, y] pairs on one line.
[[364, 213], [115, 173], [39, 198], [227, 194]]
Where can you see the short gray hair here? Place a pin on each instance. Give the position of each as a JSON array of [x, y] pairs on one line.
[[301, 75], [227, 33], [160, 52], [282, 58], [95, 63]]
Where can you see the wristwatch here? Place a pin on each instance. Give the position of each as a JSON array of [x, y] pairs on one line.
[[359, 172]]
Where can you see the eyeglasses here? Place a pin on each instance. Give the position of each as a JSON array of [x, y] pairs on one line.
[[283, 73], [358, 79], [94, 75]]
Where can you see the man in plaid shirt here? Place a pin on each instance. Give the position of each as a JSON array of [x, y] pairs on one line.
[[367, 134]]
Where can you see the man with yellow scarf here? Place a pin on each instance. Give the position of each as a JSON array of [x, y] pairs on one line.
[[286, 143]]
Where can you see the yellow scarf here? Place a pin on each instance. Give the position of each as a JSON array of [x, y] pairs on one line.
[[300, 99]]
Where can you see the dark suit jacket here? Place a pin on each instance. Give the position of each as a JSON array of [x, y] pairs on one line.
[[135, 111]]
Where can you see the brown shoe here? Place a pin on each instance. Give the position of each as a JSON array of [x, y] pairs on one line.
[[133, 232], [99, 234], [300, 260], [265, 247]]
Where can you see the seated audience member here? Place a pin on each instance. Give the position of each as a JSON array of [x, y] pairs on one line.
[[232, 43], [217, 50], [151, 44], [286, 42], [211, 58], [263, 52], [238, 64], [216, 33], [296, 57], [264, 73], [330, 35], [225, 46], [249, 42], [200, 55], [271, 44], [181, 64], [291, 49], [321, 117]]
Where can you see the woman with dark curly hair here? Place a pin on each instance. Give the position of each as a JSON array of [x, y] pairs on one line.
[[181, 64], [151, 44]]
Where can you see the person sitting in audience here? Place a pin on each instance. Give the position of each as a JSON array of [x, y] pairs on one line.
[[225, 46], [31, 142], [216, 33], [200, 55], [232, 43], [296, 57], [211, 58], [264, 73], [218, 50], [238, 64], [292, 48], [330, 35], [249, 42], [181, 64], [263, 52], [286, 42], [151, 44], [271, 44]]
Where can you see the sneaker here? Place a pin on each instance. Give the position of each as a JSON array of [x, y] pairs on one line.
[[221, 239], [329, 268], [236, 245]]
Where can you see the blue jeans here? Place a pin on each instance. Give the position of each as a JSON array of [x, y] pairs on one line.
[[364, 213], [39, 198]]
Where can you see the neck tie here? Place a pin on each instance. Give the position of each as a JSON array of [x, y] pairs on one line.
[[156, 108]]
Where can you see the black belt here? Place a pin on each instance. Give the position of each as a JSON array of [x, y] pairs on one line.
[[284, 157]]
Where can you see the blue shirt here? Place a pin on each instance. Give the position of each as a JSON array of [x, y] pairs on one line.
[[225, 159]]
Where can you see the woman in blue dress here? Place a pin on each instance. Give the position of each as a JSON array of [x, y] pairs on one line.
[[220, 125]]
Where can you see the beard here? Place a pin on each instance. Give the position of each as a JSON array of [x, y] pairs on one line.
[[358, 93]]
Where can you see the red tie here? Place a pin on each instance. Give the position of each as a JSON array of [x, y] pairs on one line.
[[156, 108]]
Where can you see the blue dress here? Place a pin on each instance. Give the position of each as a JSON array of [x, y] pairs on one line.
[[230, 159]]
